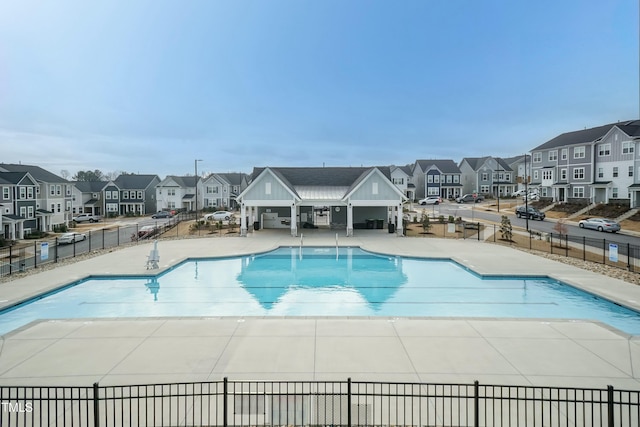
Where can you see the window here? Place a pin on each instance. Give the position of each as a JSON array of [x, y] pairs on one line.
[[433, 191], [615, 171], [449, 179], [578, 173], [58, 190], [53, 207], [627, 147], [52, 190], [537, 157], [29, 211], [485, 176], [456, 179], [139, 195], [114, 195], [436, 179], [630, 170], [267, 188], [563, 174], [604, 150], [68, 207], [578, 192], [23, 193], [564, 154], [23, 211], [171, 192], [553, 156], [600, 172], [429, 179], [125, 194], [30, 192], [535, 174], [5, 192], [578, 153], [484, 189], [398, 181], [59, 207], [547, 174], [67, 190], [614, 193], [171, 205], [374, 188], [507, 177]]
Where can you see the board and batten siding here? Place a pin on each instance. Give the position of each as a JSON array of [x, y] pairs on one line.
[[268, 188], [375, 188]]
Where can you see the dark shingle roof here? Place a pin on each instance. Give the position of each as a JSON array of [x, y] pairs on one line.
[[13, 177], [233, 178], [184, 181], [476, 162], [445, 166], [36, 172], [135, 182], [585, 136], [90, 186], [328, 176], [631, 128]]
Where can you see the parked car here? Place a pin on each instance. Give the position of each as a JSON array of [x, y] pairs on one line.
[[531, 213], [68, 238], [161, 214], [431, 200], [519, 193], [600, 224], [85, 217], [531, 197], [219, 216], [468, 198]]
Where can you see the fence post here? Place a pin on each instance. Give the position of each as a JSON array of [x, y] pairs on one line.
[[494, 233], [225, 403], [530, 239], [10, 259], [118, 236], [478, 231], [566, 245], [96, 405], [103, 239], [604, 251], [349, 402], [610, 406], [74, 247], [551, 242], [629, 256], [55, 259], [35, 254], [89, 240], [584, 248], [476, 403]]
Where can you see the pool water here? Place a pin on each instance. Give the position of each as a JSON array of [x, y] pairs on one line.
[[321, 282]]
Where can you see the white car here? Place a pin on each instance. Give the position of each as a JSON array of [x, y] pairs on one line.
[[68, 238], [219, 216], [431, 200], [519, 193]]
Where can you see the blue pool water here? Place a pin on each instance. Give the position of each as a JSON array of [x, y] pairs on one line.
[[321, 282]]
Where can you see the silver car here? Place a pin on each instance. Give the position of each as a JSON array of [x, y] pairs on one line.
[[600, 224], [68, 238]]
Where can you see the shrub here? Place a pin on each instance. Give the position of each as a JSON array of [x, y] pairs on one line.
[[60, 228], [426, 224], [506, 229], [451, 218], [441, 219]]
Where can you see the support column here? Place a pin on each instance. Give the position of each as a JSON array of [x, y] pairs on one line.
[[399, 219], [294, 220], [349, 220], [243, 219]]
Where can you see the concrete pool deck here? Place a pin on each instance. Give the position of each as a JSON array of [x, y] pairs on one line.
[[152, 350]]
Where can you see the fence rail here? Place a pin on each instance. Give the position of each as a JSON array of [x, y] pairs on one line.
[[297, 403], [14, 259]]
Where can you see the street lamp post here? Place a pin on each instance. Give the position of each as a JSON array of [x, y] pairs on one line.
[[498, 188], [196, 183], [526, 192]]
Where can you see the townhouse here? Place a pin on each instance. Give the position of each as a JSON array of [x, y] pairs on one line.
[[53, 196], [178, 193], [88, 197], [489, 176], [436, 178], [596, 165], [401, 178], [19, 204], [132, 194], [221, 190]]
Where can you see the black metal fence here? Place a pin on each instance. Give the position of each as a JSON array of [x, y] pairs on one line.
[[20, 257], [347, 403]]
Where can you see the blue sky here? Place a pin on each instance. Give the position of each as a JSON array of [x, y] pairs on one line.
[[149, 86]]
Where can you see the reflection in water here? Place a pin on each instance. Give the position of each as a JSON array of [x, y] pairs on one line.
[[278, 278], [154, 287]]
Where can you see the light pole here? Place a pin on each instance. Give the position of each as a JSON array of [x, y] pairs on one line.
[[498, 189], [526, 192], [196, 184]]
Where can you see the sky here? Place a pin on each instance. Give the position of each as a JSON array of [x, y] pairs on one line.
[[150, 86]]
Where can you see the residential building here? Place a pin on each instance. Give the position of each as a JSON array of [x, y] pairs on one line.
[[53, 196], [489, 176], [19, 204], [137, 194], [177, 193], [88, 197], [436, 178], [401, 177], [353, 198], [521, 167], [595, 165], [220, 190]]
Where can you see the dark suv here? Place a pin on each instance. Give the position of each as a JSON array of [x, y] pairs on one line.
[[532, 213]]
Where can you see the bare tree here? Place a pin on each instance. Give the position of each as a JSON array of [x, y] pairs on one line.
[[65, 174]]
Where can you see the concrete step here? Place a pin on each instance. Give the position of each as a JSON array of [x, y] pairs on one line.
[[582, 211], [627, 214]]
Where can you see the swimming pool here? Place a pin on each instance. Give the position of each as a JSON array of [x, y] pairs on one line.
[[320, 281]]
